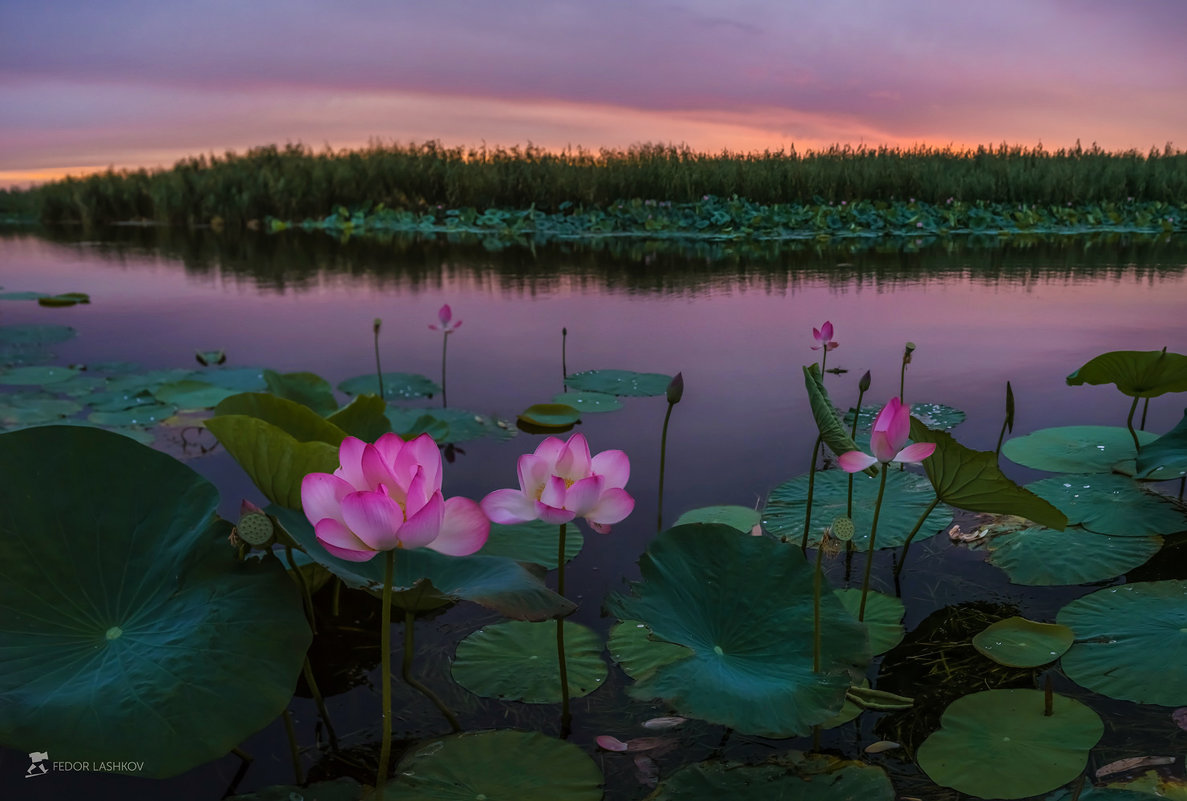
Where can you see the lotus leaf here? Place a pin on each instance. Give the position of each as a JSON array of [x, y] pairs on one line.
[[35, 334], [933, 415], [1137, 373], [907, 497], [787, 777], [1074, 449], [534, 541], [883, 618], [517, 661], [1018, 642], [411, 423], [1039, 556], [36, 375], [832, 431], [308, 389], [364, 417], [429, 579], [550, 415], [633, 647], [397, 386], [1131, 642], [620, 382], [589, 401], [190, 394], [496, 766], [275, 461], [1167, 454], [999, 744], [24, 410], [148, 414], [1111, 505], [298, 421], [743, 518], [1090, 793], [22, 295], [971, 480], [447, 425], [1154, 784], [744, 606], [240, 379], [117, 588]]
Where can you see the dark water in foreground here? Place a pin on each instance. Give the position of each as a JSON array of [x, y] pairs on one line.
[[737, 324]]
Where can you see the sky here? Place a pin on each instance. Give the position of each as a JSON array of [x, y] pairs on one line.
[[87, 84]]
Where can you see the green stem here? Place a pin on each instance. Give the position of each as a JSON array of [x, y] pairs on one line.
[[378, 369], [663, 452], [865, 582], [816, 582], [1137, 446], [246, 757], [294, 752], [335, 599], [853, 435], [306, 599], [1145, 408], [562, 664], [564, 363], [811, 486], [410, 680], [1000, 438], [444, 347], [918, 525], [823, 359], [315, 691], [385, 671]]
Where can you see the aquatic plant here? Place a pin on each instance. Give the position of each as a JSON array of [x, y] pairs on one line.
[[446, 326]]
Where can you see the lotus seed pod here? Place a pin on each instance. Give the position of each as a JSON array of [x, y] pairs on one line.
[[843, 528], [255, 529]]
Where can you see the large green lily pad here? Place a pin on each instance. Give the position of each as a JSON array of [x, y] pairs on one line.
[[1111, 504], [1040, 557], [589, 401], [936, 416], [147, 414], [743, 518], [1137, 373], [36, 375], [308, 389], [550, 415], [620, 382], [883, 617], [1018, 642], [25, 410], [1131, 642], [1166, 455], [1074, 449], [787, 777], [517, 661], [295, 419], [744, 606], [396, 386], [191, 394], [534, 541], [496, 766], [447, 425], [999, 744], [425, 579], [274, 459], [117, 588], [907, 497], [637, 651]]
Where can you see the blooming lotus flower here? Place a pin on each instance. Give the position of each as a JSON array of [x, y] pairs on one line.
[[824, 337], [892, 428], [387, 495], [444, 315], [560, 482]]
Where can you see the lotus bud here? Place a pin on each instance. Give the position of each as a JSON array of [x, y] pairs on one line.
[[864, 383], [676, 389], [375, 325]]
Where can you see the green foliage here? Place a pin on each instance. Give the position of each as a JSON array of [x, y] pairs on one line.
[[1137, 373], [517, 661], [787, 777], [1018, 642]]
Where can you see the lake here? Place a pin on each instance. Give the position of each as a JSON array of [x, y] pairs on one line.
[[736, 322]]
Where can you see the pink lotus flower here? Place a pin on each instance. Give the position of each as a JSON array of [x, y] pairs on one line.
[[824, 337], [560, 482], [444, 315], [892, 429], [388, 495]]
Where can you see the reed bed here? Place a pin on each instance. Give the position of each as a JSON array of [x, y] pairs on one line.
[[295, 182]]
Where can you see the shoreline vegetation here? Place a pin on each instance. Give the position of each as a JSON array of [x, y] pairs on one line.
[[656, 191]]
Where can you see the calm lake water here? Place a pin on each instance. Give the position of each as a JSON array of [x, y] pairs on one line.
[[738, 324]]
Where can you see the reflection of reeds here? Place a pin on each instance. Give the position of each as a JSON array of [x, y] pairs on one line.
[[294, 182]]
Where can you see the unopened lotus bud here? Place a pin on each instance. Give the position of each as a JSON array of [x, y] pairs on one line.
[[864, 383], [676, 389], [376, 324]]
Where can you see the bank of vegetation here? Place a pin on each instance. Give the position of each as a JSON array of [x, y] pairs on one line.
[[417, 184]]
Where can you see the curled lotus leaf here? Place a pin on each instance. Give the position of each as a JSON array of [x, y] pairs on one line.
[[1137, 373]]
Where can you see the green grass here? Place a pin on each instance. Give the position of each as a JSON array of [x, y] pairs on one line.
[[294, 182]]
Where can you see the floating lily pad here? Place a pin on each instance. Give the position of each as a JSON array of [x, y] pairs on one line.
[[534, 541], [397, 386], [190, 394], [1074, 449], [118, 401], [1166, 455], [589, 401], [65, 299], [1018, 642], [147, 415], [1038, 556], [907, 497], [23, 410], [744, 606], [1137, 373], [80, 385], [787, 777], [636, 650], [624, 383], [496, 765], [1111, 505], [1131, 642], [550, 415], [883, 618], [305, 388], [743, 518], [933, 415], [999, 744], [36, 375], [1091, 793], [118, 587], [35, 334], [517, 661], [447, 425], [411, 423], [429, 579], [22, 295], [240, 379]]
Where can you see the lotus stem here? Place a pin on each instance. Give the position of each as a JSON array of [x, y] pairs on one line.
[[1048, 697], [315, 691], [865, 582], [1137, 446], [564, 363], [816, 582], [411, 681], [1182, 485], [1145, 408], [378, 369], [385, 671], [853, 435], [336, 598], [306, 599], [246, 757], [1075, 796], [1008, 421], [294, 752], [444, 349], [811, 486], [562, 665], [663, 453], [918, 525], [823, 359]]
